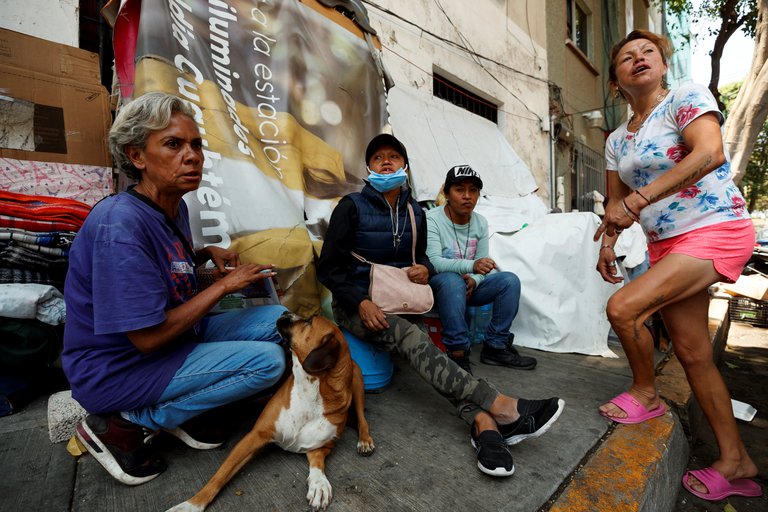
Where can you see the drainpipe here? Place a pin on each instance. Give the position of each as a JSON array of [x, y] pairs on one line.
[[552, 135]]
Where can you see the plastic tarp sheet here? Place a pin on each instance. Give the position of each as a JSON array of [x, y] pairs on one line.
[[632, 245], [439, 135], [562, 305]]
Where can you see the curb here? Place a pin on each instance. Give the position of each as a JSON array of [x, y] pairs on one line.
[[639, 467]]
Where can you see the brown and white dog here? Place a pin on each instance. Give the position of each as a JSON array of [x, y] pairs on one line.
[[307, 414]]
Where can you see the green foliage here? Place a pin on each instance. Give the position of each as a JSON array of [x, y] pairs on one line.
[[713, 10]]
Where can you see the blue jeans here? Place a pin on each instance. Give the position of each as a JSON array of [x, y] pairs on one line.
[[450, 290], [239, 357]]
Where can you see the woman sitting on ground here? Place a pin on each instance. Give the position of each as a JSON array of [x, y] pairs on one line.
[[139, 351]]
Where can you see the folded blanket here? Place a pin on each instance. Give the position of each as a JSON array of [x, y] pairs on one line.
[[43, 208], [45, 303], [53, 277], [14, 256], [7, 221], [60, 239]]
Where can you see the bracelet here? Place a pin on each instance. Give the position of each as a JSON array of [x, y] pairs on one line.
[[606, 246], [632, 215], [641, 195]]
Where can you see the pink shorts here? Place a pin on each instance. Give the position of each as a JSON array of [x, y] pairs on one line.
[[728, 244]]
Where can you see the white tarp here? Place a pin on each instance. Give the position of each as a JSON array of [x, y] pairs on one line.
[[439, 135], [632, 245], [562, 305]]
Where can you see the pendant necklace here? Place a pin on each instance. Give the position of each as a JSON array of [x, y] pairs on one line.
[[456, 234], [395, 223], [659, 98]]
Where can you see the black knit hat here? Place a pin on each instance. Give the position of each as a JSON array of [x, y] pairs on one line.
[[385, 139], [460, 173]]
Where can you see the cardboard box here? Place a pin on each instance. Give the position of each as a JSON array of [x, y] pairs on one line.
[[753, 286], [53, 107], [53, 119], [35, 54]]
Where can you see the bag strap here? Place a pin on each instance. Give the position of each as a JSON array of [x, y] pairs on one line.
[[176, 231], [353, 253], [413, 246], [413, 231]]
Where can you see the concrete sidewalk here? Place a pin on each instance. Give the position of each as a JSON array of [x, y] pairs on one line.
[[423, 459]]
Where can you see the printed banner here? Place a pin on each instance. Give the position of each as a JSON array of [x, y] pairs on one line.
[[286, 101]]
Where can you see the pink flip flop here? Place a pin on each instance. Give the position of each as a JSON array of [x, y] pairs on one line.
[[719, 488], [636, 412]]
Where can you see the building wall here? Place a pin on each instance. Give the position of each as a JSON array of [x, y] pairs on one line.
[[54, 20], [418, 38], [581, 80]]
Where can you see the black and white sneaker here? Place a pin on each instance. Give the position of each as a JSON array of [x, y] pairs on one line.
[[120, 447], [536, 416], [493, 456]]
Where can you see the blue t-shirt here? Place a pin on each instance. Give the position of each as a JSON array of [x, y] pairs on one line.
[[126, 268]]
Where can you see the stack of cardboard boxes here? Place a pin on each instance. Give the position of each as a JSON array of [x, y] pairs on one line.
[[54, 163], [54, 116]]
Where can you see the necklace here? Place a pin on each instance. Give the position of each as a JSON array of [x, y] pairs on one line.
[[456, 234], [659, 98], [394, 219]]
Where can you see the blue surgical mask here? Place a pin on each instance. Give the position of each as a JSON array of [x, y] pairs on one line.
[[386, 182]]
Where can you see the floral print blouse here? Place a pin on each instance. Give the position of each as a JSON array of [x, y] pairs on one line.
[[657, 147]]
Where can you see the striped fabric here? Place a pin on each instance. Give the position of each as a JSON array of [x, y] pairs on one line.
[[41, 213]]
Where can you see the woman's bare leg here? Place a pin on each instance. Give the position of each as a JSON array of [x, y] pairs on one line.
[[687, 323], [674, 278]]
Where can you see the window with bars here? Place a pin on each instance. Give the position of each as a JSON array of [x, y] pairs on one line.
[[588, 175], [446, 90]]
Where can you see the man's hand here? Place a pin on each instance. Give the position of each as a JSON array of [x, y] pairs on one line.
[[373, 317]]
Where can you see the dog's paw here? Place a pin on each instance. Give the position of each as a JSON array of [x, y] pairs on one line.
[[186, 507], [365, 447], [320, 492]]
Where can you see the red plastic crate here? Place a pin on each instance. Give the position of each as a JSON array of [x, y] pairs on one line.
[[435, 330]]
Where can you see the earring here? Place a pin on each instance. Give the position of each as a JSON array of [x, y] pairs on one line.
[[616, 92]]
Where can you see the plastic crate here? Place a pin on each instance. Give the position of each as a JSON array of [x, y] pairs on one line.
[[744, 309], [434, 329]]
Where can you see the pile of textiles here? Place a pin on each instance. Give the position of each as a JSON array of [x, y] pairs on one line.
[[36, 233]]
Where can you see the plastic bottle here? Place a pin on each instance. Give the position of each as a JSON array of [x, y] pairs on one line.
[[480, 318]]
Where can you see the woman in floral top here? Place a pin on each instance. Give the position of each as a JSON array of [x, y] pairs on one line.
[[669, 171]]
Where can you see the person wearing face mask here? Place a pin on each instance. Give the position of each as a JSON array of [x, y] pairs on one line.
[[374, 223]]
